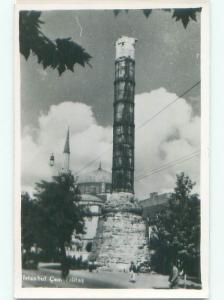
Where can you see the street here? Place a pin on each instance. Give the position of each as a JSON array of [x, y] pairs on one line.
[[44, 277]]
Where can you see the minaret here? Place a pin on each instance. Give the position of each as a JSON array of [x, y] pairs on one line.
[[66, 154], [124, 127]]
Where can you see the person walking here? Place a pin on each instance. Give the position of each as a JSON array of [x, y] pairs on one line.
[[174, 276], [182, 273], [65, 267], [133, 271], [138, 265]]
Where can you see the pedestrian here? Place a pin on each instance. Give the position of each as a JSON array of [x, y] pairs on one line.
[[133, 271], [182, 273], [174, 276], [138, 265], [65, 267], [90, 265]]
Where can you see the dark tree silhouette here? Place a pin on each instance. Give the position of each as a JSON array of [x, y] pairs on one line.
[[61, 54], [176, 230], [58, 213], [29, 221], [185, 15]]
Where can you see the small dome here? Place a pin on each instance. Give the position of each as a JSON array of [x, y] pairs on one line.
[[99, 175]]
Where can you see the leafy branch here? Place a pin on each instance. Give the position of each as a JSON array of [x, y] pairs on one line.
[[61, 54], [180, 14]]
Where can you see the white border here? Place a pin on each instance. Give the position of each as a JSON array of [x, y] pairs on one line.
[[20, 292]]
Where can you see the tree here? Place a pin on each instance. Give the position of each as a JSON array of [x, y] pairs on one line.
[[176, 230], [59, 214], [61, 54], [185, 15], [28, 221]]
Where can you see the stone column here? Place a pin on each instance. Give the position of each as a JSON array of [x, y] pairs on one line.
[[121, 234], [124, 127]]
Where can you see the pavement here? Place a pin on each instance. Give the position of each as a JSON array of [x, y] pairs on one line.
[[51, 278]]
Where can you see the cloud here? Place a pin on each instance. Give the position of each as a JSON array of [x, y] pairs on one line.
[[173, 134], [87, 140]]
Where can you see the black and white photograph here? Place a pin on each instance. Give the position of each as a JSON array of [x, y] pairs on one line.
[[111, 176]]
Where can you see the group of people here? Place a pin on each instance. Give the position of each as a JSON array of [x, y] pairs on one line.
[[176, 273]]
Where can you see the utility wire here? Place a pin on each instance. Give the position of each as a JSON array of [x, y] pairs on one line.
[[168, 105], [167, 164], [166, 167], [162, 169], [142, 125]]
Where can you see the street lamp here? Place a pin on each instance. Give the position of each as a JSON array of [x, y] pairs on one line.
[[52, 160]]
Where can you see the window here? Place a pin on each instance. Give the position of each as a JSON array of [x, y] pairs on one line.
[[103, 188], [92, 189]]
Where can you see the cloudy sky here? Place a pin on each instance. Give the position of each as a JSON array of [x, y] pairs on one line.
[[167, 64]]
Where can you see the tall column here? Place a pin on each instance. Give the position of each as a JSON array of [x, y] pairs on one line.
[[121, 232], [124, 127]]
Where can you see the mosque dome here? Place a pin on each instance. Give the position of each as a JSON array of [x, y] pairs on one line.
[[96, 176], [96, 182]]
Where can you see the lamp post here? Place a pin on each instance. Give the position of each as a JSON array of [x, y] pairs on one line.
[[51, 160]]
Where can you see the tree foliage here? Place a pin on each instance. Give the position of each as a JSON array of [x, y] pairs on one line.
[[176, 230], [29, 221], [185, 15], [56, 214], [60, 213], [61, 54]]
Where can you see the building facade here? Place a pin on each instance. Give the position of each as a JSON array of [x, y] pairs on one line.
[[154, 204]]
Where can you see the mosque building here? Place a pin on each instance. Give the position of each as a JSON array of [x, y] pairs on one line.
[[95, 188]]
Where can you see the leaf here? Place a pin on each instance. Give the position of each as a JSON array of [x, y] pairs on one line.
[[116, 11], [179, 14], [61, 54], [185, 15], [147, 12]]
